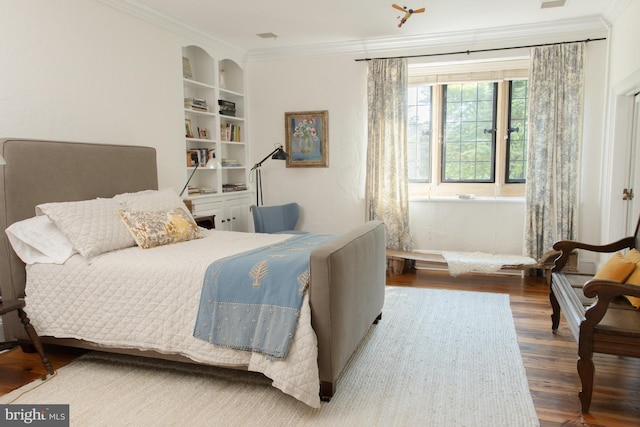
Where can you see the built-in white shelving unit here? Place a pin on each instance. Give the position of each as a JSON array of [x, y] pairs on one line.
[[215, 139]]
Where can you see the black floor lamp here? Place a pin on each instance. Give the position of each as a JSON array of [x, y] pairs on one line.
[[277, 154]]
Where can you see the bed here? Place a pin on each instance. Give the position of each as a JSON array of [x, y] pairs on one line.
[[345, 292]]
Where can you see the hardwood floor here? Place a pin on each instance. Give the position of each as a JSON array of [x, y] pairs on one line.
[[550, 360]]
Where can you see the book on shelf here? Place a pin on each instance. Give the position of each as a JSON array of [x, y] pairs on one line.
[[199, 104], [230, 132], [200, 156], [227, 188], [195, 191], [230, 163], [207, 190]]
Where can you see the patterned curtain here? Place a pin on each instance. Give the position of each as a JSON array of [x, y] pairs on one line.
[[555, 134], [387, 177]]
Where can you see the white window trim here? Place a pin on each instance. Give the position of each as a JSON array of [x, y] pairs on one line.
[[500, 70]]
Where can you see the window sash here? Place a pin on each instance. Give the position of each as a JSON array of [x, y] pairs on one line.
[[467, 154]]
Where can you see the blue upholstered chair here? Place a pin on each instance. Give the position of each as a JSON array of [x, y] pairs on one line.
[[276, 219]]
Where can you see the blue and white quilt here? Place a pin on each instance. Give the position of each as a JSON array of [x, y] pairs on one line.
[[251, 301]]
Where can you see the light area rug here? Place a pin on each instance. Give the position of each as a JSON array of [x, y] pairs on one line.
[[465, 262], [437, 358]]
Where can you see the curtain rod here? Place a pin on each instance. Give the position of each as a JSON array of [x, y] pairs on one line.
[[483, 50]]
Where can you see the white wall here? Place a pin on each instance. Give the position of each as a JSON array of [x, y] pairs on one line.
[[333, 198], [79, 70], [623, 82]]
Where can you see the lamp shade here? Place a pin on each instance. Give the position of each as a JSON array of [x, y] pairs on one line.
[[280, 154]]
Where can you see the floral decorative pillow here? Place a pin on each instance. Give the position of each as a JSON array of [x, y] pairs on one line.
[[151, 229]]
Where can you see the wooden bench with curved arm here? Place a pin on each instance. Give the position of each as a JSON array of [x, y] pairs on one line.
[[600, 318]]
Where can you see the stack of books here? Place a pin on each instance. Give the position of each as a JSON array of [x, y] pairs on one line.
[[199, 156], [230, 163], [226, 188], [198, 104], [227, 108]]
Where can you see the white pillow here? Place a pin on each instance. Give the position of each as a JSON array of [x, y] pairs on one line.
[[38, 240], [151, 201], [93, 226]]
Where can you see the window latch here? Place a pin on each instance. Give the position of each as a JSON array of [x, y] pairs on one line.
[[487, 130], [516, 129]]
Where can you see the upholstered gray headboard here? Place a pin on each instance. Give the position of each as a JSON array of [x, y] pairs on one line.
[[53, 171]]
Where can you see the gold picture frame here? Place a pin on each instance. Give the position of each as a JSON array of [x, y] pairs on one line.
[[307, 139], [203, 133], [188, 128]]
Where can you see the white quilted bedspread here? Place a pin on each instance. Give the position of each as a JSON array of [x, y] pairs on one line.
[[148, 299]]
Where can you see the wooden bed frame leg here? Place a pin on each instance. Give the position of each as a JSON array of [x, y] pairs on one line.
[[377, 319], [327, 389], [35, 340]]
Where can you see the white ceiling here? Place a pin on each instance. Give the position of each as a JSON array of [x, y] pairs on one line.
[[322, 22]]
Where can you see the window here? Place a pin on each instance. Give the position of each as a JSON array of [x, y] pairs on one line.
[[467, 132]]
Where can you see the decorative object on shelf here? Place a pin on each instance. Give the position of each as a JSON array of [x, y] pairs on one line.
[[221, 79], [212, 163], [188, 128], [2, 161], [227, 108], [203, 133], [277, 154], [186, 68], [307, 138]]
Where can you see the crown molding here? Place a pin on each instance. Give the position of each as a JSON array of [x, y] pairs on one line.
[[594, 26], [141, 11]]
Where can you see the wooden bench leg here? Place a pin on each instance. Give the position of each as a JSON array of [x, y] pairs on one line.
[[555, 315], [35, 340], [586, 369], [397, 266]]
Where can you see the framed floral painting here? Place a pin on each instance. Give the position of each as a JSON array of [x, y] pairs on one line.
[[307, 139]]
